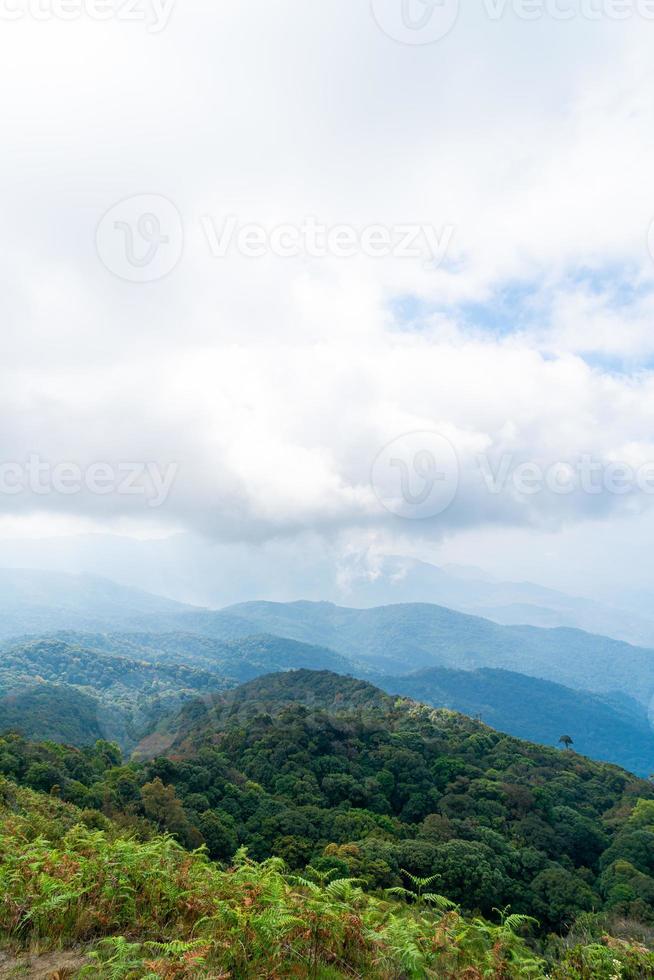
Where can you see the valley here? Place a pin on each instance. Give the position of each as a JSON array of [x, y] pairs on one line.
[[356, 754]]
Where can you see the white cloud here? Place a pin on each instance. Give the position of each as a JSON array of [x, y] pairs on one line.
[[274, 382]]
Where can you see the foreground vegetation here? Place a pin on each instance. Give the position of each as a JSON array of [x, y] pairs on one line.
[[309, 825], [150, 909], [328, 771]]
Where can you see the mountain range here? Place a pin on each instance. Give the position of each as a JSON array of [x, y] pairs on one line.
[[33, 601], [613, 728], [128, 660], [406, 637], [191, 569]]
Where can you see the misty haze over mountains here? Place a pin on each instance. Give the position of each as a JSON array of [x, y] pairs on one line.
[[192, 570]]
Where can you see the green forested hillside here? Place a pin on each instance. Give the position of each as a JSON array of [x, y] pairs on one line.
[[613, 729], [52, 712], [53, 689], [83, 899], [55, 660], [79, 687], [323, 770], [239, 659], [399, 638], [385, 840], [76, 687], [264, 696]]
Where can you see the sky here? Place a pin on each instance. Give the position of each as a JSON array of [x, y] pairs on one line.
[[376, 272]]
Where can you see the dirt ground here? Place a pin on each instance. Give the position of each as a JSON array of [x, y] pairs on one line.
[[44, 966]]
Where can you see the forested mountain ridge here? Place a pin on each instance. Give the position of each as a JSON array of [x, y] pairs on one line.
[[324, 770], [400, 579], [613, 729], [239, 659], [55, 713], [122, 682], [53, 689], [137, 678], [265, 695], [392, 639], [398, 638], [57, 660], [77, 688]]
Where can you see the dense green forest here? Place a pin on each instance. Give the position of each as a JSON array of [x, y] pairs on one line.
[[329, 771], [77, 688], [239, 659], [81, 898], [52, 712], [341, 832], [50, 688], [613, 728]]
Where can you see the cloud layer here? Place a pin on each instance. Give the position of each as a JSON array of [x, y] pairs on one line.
[[275, 382]]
